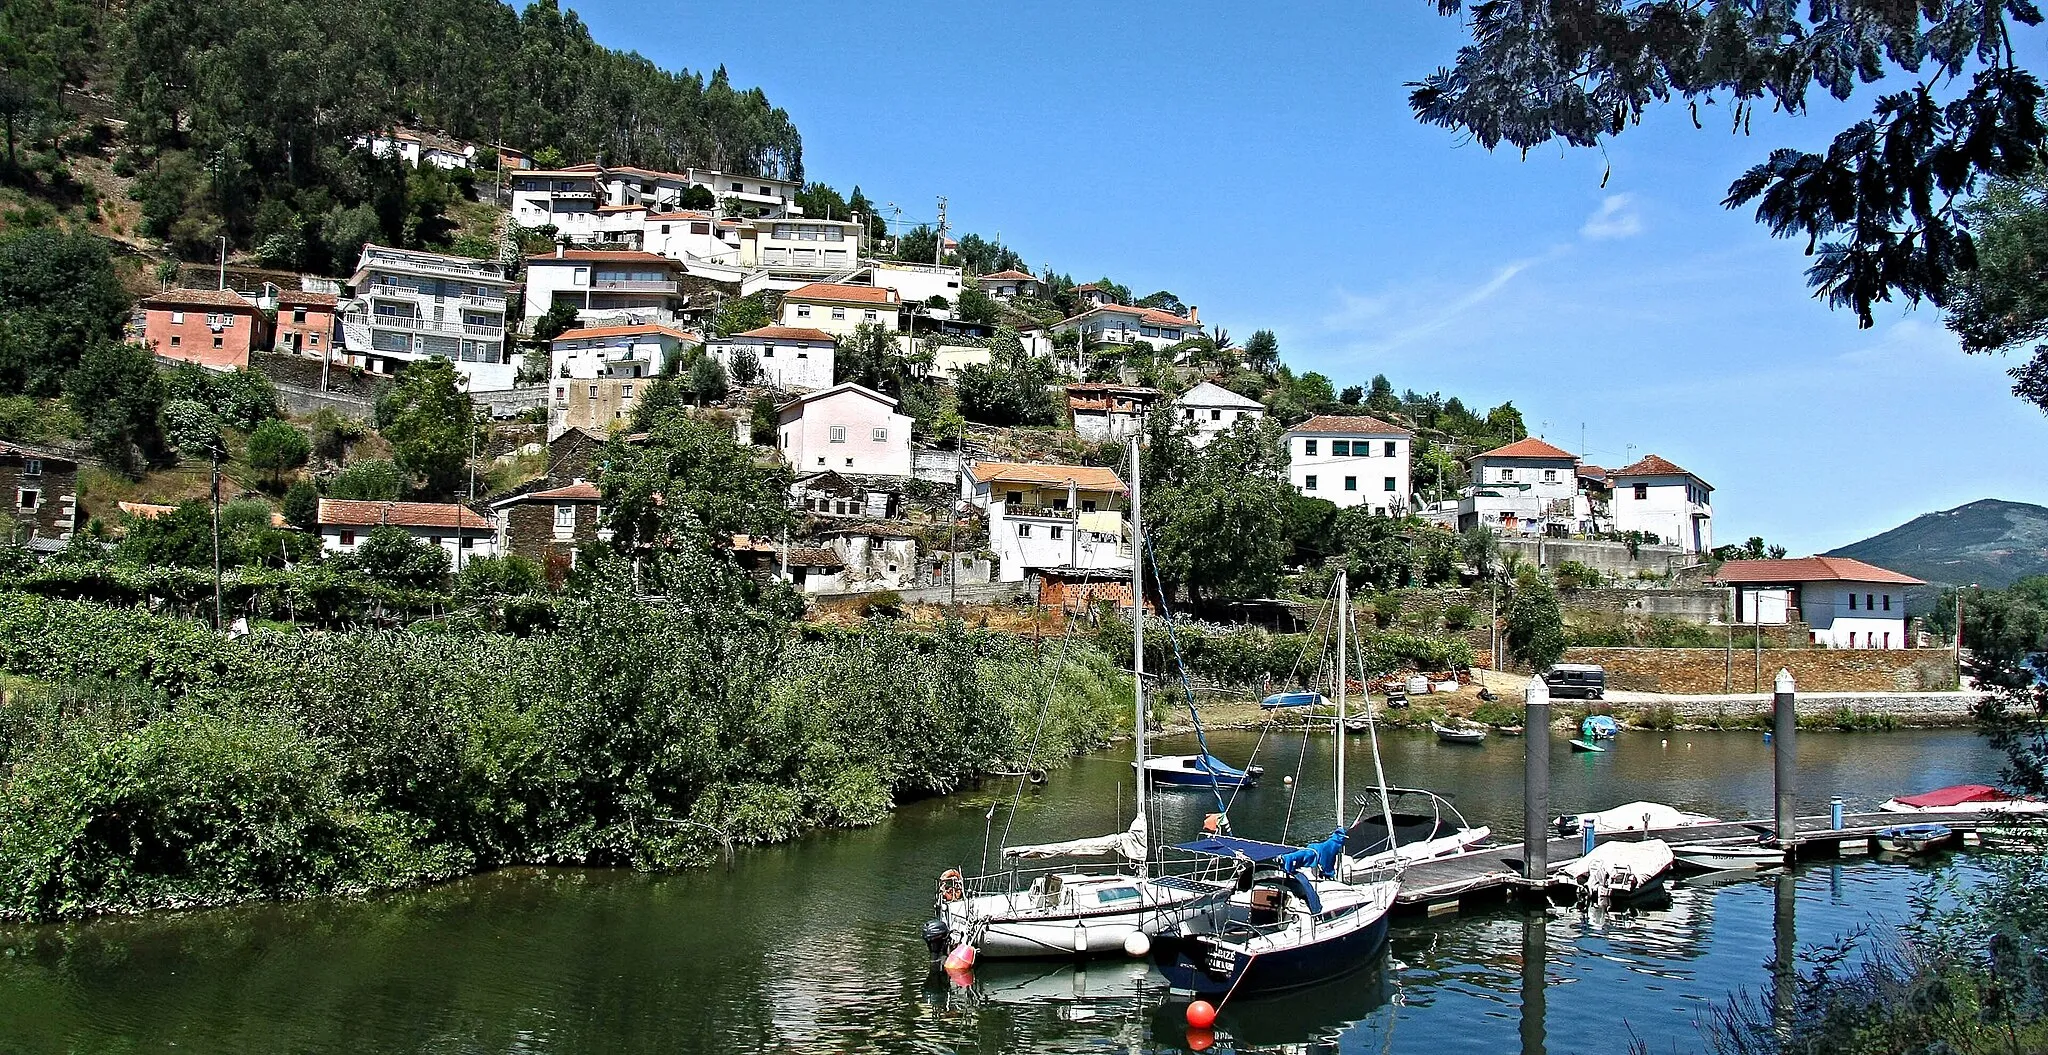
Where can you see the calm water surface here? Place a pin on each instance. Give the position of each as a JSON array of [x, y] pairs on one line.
[[812, 947]]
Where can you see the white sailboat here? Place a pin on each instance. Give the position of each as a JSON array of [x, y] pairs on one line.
[[1075, 913]]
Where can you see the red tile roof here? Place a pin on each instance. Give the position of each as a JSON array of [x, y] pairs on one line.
[[1091, 477], [1528, 448], [680, 214], [1367, 425], [641, 329], [207, 298], [580, 491], [311, 300], [604, 256], [622, 208], [788, 333], [1012, 275], [1809, 569], [1652, 465], [840, 292], [348, 513]]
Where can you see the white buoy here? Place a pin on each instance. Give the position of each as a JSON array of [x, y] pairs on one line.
[[1665, 743], [1288, 779], [1137, 945]]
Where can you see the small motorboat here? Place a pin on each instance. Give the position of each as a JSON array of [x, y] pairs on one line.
[[1200, 771], [1586, 745], [1964, 798], [1508, 730], [1418, 836], [1726, 857], [1914, 838], [1459, 733], [1599, 727], [1632, 817], [1617, 872], [1281, 700]]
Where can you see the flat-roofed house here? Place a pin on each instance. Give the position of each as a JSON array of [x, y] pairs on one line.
[[1044, 516]]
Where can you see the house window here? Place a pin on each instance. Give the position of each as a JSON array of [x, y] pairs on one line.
[[1340, 448], [870, 315], [348, 538], [1308, 483], [1852, 639], [625, 391], [1887, 639], [176, 340], [1189, 414], [1390, 484], [1059, 533], [881, 435], [177, 318], [313, 339], [1015, 498], [838, 433], [1642, 492], [839, 314], [1215, 415], [1550, 476], [1852, 602], [561, 395], [767, 351], [28, 497], [1887, 602], [565, 519], [849, 463], [1023, 531], [1308, 447], [1087, 505], [1507, 476], [803, 311], [593, 391], [32, 467], [217, 340], [1060, 504], [1390, 448], [468, 543], [1351, 483], [1868, 604]]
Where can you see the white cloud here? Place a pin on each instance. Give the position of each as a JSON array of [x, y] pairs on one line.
[[1615, 218]]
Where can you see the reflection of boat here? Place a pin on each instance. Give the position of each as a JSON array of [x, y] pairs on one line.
[[1721, 857], [1617, 872], [1459, 733], [1964, 798], [2029, 838], [1418, 836], [1581, 745], [1199, 771], [1914, 838], [1324, 1015], [1632, 817], [1101, 982]]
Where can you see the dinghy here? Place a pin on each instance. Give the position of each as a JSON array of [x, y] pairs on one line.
[[1964, 798], [1725, 857], [1459, 733], [1581, 745], [1632, 817], [1617, 872], [1914, 838]]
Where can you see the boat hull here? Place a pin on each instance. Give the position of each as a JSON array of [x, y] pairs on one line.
[[1916, 840], [1729, 858], [1012, 927], [1195, 966]]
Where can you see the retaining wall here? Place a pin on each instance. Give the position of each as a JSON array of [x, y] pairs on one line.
[[301, 400], [1694, 671], [1925, 708], [981, 593], [1612, 559]]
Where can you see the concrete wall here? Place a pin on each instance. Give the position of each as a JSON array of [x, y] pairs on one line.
[[1608, 558], [301, 400], [939, 467], [1918, 709], [1696, 605], [1713, 670], [986, 593]]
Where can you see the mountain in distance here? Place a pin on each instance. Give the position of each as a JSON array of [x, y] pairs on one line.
[[1989, 542]]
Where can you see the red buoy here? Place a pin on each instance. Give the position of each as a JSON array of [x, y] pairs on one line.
[[1201, 1015]]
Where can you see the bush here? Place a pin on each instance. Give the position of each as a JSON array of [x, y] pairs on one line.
[[372, 480], [276, 447], [1458, 616], [1572, 575], [883, 603]]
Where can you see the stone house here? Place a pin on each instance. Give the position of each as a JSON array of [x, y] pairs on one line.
[[39, 490], [546, 526], [1104, 413], [829, 494]]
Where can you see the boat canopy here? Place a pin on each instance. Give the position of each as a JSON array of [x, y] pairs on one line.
[[1194, 763], [1128, 844], [1294, 699], [1955, 796]]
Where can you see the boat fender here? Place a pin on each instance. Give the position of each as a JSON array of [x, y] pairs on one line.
[[1036, 776], [951, 886], [961, 958]]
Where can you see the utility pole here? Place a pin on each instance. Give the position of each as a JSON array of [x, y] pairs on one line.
[[213, 456], [939, 250]]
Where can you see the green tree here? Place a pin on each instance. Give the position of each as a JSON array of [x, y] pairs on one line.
[[277, 447], [372, 480], [428, 420], [1019, 392], [765, 421], [1534, 625], [662, 395], [978, 307], [1220, 532], [555, 321], [1380, 398], [746, 366], [740, 314], [874, 357], [1883, 205], [490, 580], [689, 483], [1504, 422], [193, 428], [1262, 351], [391, 555], [707, 381], [301, 506], [2001, 305], [115, 390], [1376, 548], [1311, 527], [59, 297]]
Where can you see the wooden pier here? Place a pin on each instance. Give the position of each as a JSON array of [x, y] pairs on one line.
[[1483, 877]]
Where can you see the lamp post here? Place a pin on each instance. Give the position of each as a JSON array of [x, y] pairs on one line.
[[1959, 634]]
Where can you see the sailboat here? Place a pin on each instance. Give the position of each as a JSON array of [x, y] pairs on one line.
[[1298, 915], [1069, 913]]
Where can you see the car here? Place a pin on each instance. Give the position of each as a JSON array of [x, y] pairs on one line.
[[1583, 680]]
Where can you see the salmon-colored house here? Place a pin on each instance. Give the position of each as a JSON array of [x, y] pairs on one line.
[[305, 323], [215, 328]]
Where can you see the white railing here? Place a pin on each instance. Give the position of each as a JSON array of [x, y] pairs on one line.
[[632, 285], [420, 325]]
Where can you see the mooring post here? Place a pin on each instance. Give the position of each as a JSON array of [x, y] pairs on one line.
[[1536, 782], [1784, 743]]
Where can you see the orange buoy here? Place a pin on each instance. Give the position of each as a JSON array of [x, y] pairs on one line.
[[1201, 1015], [962, 958], [1201, 1039]]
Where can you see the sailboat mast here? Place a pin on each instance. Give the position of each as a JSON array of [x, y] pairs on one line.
[[1343, 676], [1138, 646]]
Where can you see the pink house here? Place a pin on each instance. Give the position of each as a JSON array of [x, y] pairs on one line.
[[215, 328], [848, 429]]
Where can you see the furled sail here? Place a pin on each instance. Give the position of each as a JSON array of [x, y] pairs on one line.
[[1129, 844]]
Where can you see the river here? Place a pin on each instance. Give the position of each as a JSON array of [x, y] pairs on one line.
[[812, 946]]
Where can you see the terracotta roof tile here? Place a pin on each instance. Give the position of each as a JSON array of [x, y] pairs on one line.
[[1092, 477], [308, 298], [1528, 448], [641, 329], [1012, 275], [841, 292], [1358, 424], [787, 333], [1810, 569], [452, 515], [210, 298], [580, 491], [1653, 465], [814, 557]]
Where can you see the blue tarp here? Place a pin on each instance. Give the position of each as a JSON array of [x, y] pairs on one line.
[[1322, 855], [1599, 725], [1305, 889], [1232, 846], [1293, 699]]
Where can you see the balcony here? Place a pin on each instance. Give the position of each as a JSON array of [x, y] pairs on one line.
[[400, 289], [632, 285], [573, 195], [415, 324]]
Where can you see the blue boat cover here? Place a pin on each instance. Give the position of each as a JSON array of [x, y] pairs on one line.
[[1219, 767], [1599, 725], [1293, 699], [1322, 855], [1232, 846]]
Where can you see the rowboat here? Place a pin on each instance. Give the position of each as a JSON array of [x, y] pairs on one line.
[[1458, 734], [1722, 857], [1617, 872], [1584, 745], [1914, 838]]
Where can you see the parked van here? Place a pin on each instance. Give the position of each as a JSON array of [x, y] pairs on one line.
[[1586, 681]]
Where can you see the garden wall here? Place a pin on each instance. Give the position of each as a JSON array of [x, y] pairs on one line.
[[1697, 671], [1612, 559]]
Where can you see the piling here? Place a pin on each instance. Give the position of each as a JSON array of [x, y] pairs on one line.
[[1536, 782], [1785, 746], [1535, 956]]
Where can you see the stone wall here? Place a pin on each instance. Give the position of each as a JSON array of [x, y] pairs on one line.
[[1754, 711], [986, 593], [935, 466], [1695, 605], [1611, 559], [1694, 671]]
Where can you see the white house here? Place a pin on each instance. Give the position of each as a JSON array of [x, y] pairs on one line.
[[572, 199], [792, 357], [1657, 497], [1846, 603], [1210, 408], [409, 305], [1524, 488], [839, 309], [344, 524], [687, 235], [1051, 516], [616, 351], [619, 287], [846, 428], [419, 148], [1118, 324], [803, 244], [1352, 461], [565, 199], [1009, 285]]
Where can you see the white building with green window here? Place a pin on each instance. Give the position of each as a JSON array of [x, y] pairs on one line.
[[1352, 461]]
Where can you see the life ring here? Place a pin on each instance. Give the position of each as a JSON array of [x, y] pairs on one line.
[[952, 887]]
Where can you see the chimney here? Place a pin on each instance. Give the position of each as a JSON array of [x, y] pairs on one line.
[[1194, 313], [561, 248]]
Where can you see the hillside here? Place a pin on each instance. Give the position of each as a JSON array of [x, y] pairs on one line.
[[1989, 542]]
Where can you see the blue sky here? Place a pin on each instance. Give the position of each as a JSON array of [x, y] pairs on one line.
[[1260, 161]]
